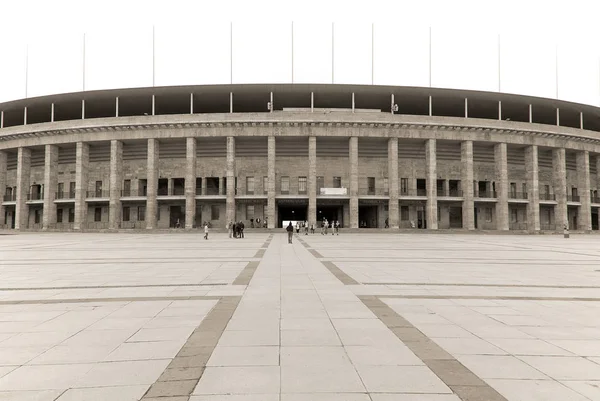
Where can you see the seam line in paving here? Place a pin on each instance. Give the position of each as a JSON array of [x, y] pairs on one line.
[[336, 271], [185, 370], [498, 297], [85, 287], [182, 375], [462, 381], [485, 285]]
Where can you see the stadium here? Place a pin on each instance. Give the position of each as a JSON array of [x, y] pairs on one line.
[[368, 156]]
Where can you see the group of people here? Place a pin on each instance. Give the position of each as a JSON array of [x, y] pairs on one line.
[[236, 229], [304, 226], [335, 227]]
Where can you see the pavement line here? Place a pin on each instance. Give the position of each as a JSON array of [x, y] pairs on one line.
[[485, 285], [492, 297], [246, 274], [260, 253], [116, 299], [182, 375], [84, 287], [339, 273], [462, 381]]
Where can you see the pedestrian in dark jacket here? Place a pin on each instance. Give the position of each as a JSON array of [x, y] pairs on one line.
[[290, 232]]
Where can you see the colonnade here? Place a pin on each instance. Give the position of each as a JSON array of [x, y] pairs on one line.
[[467, 177]]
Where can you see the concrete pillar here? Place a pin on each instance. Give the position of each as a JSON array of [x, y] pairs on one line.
[[583, 186], [466, 178], [271, 152], [23, 182], [3, 168], [204, 182], [312, 180], [533, 188], [230, 202], [152, 188], [598, 172], [116, 184], [50, 184], [501, 160], [559, 177], [82, 161], [393, 214], [431, 166], [190, 183], [353, 158]]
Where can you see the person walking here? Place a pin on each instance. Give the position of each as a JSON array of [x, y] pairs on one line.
[[312, 228], [230, 229], [290, 232], [241, 229], [297, 228], [306, 228], [206, 231], [337, 227]]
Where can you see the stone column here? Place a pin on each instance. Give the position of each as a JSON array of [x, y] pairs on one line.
[[222, 191], [559, 176], [583, 187], [312, 180], [50, 184], [23, 182], [3, 168], [204, 183], [271, 154], [468, 209], [190, 183], [116, 184], [500, 158], [393, 214], [353, 158], [152, 189], [81, 184], [431, 165], [230, 205], [533, 188]]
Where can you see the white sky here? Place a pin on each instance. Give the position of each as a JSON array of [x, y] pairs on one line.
[[192, 44]]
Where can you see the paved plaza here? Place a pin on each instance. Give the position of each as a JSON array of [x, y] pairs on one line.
[[354, 317]]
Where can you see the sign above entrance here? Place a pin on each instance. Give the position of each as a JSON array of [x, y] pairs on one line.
[[333, 191]]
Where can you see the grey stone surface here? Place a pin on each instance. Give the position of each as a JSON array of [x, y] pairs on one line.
[[401, 317]]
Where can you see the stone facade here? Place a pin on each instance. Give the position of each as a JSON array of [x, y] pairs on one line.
[[184, 171]]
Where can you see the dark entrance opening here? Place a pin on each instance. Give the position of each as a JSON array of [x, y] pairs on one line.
[[177, 214], [331, 213], [595, 225], [368, 217], [296, 213], [455, 216], [421, 219]]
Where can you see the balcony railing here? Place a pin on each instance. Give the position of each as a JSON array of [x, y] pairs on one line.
[[65, 195], [10, 198], [373, 191], [517, 195], [413, 192], [34, 197], [213, 191], [595, 199], [573, 198], [548, 197], [130, 192], [485, 194], [176, 191], [98, 194], [452, 193], [517, 226]]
